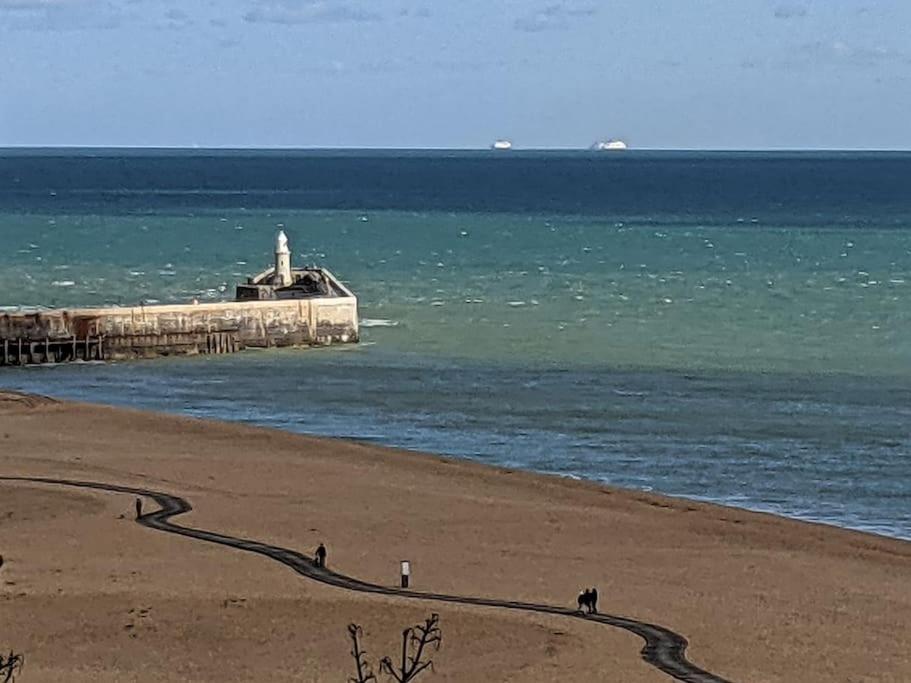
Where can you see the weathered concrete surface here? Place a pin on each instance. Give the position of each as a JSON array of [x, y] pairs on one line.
[[193, 328]]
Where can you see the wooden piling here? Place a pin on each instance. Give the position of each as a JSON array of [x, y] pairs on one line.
[[46, 350]]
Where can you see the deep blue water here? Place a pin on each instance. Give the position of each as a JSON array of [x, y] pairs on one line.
[[707, 188], [730, 327]]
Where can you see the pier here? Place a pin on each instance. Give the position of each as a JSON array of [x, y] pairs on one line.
[[280, 307]]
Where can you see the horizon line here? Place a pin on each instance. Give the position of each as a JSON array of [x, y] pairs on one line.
[[350, 148]]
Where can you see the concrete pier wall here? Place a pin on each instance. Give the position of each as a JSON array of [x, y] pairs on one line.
[[144, 331]]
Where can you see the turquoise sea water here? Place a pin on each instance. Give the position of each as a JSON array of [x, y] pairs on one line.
[[731, 327]]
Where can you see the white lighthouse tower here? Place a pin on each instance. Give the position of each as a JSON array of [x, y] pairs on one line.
[[282, 277]]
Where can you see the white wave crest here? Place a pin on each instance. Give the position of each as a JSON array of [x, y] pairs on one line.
[[378, 322]]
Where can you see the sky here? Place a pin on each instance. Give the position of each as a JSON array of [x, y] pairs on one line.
[[671, 74]]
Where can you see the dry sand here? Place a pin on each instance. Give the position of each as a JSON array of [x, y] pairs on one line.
[[88, 595]]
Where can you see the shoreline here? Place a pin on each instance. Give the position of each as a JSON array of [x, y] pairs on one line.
[[818, 599], [759, 508]]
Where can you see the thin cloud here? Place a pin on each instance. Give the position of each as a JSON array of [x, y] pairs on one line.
[[845, 53], [323, 67], [310, 12], [39, 5], [176, 20], [59, 15], [383, 66], [790, 12], [175, 14], [553, 18], [416, 12]]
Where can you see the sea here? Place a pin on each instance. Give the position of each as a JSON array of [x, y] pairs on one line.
[[731, 327]]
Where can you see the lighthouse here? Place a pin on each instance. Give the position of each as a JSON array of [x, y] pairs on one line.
[[281, 281], [282, 277]]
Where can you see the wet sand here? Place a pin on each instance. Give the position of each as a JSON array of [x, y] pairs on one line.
[[88, 595]]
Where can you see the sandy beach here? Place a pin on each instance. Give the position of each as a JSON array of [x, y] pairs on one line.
[[86, 594]]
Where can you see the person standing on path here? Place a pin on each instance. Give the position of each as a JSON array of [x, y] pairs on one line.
[[584, 600], [321, 556], [593, 601], [138, 508]]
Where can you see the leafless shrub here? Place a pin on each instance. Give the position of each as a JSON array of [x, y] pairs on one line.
[[416, 640], [10, 666]]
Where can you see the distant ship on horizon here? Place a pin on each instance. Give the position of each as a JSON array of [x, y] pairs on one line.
[[609, 145], [502, 145]]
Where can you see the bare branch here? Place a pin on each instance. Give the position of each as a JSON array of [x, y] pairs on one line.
[[364, 672], [387, 667], [10, 666]]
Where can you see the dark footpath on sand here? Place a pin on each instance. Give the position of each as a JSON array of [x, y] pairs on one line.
[[664, 649]]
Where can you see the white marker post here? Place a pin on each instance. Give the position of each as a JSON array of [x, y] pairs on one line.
[[406, 573]]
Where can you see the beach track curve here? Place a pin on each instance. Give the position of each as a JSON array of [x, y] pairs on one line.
[[664, 649]]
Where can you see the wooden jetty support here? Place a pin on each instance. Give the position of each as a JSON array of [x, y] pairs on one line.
[[28, 351], [22, 351]]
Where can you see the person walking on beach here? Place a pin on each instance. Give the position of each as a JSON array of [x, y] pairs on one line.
[[321, 556], [593, 601], [138, 508]]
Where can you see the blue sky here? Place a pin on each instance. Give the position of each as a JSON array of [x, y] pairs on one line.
[[744, 74]]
